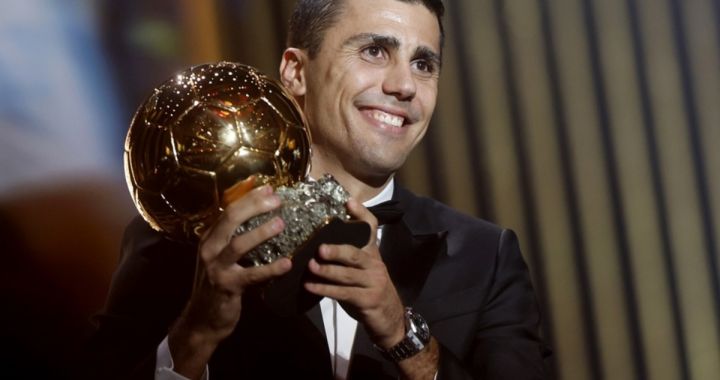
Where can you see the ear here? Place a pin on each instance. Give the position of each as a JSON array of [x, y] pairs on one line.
[[292, 71]]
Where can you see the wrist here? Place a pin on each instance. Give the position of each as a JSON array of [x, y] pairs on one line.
[[415, 339], [199, 327], [190, 334], [396, 333], [190, 350], [183, 339]]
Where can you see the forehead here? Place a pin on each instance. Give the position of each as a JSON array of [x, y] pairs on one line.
[[411, 23]]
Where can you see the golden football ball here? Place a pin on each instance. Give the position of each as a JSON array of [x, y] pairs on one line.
[[202, 132]]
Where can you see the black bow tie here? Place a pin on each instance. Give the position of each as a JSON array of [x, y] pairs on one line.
[[386, 212]]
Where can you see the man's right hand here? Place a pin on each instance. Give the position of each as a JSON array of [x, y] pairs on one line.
[[214, 307]]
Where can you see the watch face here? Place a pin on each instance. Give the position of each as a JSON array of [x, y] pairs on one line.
[[419, 326]]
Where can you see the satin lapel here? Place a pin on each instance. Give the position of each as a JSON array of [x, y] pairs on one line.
[[315, 316], [315, 332], [409, 258], [366, 362]]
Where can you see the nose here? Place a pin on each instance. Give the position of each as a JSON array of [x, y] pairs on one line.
[[399, 82]]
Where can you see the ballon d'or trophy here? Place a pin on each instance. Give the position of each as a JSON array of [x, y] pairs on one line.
[[210, 134]]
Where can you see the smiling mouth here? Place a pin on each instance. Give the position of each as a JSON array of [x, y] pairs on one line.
[[386, 118]]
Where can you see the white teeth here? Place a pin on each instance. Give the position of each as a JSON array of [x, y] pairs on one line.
[[395, 121]]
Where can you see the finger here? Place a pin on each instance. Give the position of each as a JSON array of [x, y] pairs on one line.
[[237, 190], [338, 274], [258, 201], [240, 245], [263, 273], [336, 292], [360, 212], [347, 255]]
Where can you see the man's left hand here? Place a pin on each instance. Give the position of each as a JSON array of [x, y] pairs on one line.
[[359, 280]]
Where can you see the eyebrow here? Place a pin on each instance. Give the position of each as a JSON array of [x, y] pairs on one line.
[[379, 39], [390, 42], [429, 55]]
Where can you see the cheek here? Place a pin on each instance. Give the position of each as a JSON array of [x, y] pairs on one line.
[[361, 77], [428, 97]]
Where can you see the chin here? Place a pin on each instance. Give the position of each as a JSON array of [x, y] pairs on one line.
[[380, 171]]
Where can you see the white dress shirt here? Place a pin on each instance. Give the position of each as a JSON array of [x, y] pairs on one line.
[[339, 326]]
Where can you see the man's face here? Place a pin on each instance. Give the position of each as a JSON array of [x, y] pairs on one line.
[[371, 89]]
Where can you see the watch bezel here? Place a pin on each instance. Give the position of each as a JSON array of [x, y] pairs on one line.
[[417, 325]]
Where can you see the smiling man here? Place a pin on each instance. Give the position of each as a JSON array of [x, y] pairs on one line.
[[435, 293], [369, 90]]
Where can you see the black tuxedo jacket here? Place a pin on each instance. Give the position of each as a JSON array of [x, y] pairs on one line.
[[464, 275]]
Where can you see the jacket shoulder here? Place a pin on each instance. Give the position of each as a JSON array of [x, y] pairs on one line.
[[427, 215]]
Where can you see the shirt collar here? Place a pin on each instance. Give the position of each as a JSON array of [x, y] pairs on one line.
[[384, 195]]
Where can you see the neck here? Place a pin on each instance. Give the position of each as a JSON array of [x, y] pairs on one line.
[[361, 188]]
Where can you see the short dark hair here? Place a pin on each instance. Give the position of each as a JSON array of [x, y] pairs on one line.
[[311, 18]]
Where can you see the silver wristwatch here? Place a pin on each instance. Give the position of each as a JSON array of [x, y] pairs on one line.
[[417, 336]]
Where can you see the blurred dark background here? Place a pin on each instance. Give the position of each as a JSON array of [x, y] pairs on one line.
[[588, 126]]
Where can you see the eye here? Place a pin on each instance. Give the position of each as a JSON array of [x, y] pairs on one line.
[[373, 52], [424, 67]]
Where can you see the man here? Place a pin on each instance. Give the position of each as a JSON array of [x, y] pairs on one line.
[[366, 74]]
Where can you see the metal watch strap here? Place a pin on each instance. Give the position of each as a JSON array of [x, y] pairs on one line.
[[412, 343]]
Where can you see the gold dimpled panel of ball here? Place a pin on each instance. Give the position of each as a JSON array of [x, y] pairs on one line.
[[203, 131]]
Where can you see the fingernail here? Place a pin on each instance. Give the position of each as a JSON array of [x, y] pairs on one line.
[[273, 200], [323, 250], [313, 265], [278, 224]]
